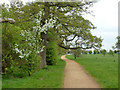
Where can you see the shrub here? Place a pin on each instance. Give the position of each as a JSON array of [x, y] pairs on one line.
[[84, 52], [51, 56], [104, 52], [90, 52], [111, 52], [115, 51], [51, 51], [15, 48], [95, 51]]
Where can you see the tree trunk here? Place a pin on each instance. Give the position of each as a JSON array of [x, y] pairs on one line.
[[44, 36], [43, 54]]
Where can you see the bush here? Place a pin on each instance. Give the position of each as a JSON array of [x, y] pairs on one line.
[[111, 52], [95, 51], [12, 44], [90, 52], [84, 52], [104, 52], [51, 56], [10, 35], [51, 51], [115, 51]]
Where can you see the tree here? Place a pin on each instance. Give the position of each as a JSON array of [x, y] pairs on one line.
[[22, 54], [104, 52], [70, 31], [62, 51], [24, 17], [76, 53], [84, 52], [111, 52], [5, 20], [95, 52], [98, 51], [90, 52], [115, 51], [117, 43], [10, 34]]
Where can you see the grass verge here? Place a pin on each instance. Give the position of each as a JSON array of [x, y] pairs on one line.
[[0, 81], [104, 69], [50, 77]]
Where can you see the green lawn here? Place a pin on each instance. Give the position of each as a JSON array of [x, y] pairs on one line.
[[0, 82], [102, 68], [51, 77]]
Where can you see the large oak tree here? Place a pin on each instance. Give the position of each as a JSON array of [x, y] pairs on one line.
[[72, 29]]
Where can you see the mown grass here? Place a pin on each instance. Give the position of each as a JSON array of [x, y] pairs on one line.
[[50, 77], [103, 68], [0, 82]]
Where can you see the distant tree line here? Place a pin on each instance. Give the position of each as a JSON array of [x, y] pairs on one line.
[[79, 52]]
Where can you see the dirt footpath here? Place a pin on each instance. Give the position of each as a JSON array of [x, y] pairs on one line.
[[76, 76]]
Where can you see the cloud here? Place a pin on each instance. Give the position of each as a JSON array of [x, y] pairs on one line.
[[106, 21]]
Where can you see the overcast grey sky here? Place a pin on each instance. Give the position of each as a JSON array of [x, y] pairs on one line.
[[105, 19]]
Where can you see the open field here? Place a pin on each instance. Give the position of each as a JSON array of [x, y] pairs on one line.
[[103, 68], [50, 77]]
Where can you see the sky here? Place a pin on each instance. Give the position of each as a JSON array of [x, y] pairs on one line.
[[105, 19]]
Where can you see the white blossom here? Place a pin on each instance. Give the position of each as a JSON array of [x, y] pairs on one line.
[[33, 37]]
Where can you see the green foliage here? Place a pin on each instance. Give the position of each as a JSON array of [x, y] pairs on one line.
[[51, 55], [10, 35], [76, 53], [51, 52], [66, 14], [117, 44], [90, 52], [51, 77], [61, 51], [0, 81], [111, 52], [12, 61], [21, 43], [115, 51], [104, 52], [84, 51], [95, 52]]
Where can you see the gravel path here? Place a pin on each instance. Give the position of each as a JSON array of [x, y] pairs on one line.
[[76, 76]]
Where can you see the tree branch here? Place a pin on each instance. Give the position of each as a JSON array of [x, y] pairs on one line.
[[67, 4], [71, 39], [9, 20], [74, 47]]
